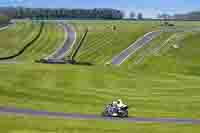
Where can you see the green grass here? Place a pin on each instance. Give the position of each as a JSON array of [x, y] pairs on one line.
[[186, 24], [167, 56], [164, 84], [85, 90], [50, 39], [10, 124], [148, 50], [102, 42], [80, 30], [157, 47], [16, 37], [167, 92], [3, 19]]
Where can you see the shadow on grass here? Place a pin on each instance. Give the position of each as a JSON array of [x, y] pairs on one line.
[[54, 61], [79, 63]]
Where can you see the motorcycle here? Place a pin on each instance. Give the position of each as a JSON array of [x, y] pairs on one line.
[[113, 111]]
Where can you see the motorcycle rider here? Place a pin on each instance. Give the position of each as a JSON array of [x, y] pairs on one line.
[[116, 109], [114, 104], [118, 104]]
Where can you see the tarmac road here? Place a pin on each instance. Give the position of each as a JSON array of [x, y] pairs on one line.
[[9, 62], [119, 59], [125, 54], [15, 111], [3, 28], [70, 39]]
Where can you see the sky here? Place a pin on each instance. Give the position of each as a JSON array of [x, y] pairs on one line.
[[150, 8]]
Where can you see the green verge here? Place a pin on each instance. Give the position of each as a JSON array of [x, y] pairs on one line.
[[148, 50], [78, 89], [161, 86], [79, 33], [3, 19], [103, 42], [11, 124], [50, 39], [16, 37], [169, 57]]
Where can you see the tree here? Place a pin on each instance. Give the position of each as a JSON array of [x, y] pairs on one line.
[[140, 16], [132, 15], [45, 13], [164, 16]]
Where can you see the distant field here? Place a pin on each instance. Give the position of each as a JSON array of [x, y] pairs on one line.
[[160, 80], [104, 41], [190, 24], [168, 52], [151, 49], [3, 20]]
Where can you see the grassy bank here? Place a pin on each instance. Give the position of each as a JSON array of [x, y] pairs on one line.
[[11, 124], [164, 84], [16, 37], [107, 39]]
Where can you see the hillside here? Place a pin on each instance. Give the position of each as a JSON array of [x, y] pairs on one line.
[[106, 39], [3, 19], [161, 80]]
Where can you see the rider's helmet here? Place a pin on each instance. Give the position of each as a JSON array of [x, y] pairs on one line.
[[119, 101]]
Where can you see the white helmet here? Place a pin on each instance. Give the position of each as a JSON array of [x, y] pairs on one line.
[[119, 101]]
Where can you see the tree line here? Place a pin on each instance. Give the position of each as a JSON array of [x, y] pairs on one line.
[[195, 15], [61, 13], [135, 16]]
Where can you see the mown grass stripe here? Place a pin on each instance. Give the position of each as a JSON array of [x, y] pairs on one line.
[[25, 47]]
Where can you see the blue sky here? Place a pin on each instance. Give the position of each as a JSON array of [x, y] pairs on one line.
[[150, 8]]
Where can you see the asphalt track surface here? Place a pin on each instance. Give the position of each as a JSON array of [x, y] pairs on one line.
[[8, 62], [29, 112], [4, 28], [119, 59], [70, 38], [142, 41]]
